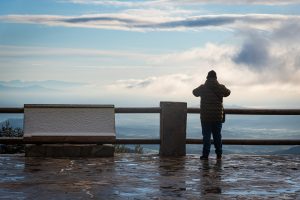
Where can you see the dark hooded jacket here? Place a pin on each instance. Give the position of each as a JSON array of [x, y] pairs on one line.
[[211, 93]]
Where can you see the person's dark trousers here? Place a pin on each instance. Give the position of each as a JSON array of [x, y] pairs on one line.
[[213, 128]]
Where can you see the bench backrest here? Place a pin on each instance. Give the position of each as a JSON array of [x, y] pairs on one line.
[[69, 123]]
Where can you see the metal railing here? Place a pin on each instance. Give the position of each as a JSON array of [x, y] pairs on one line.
[[145, 110]]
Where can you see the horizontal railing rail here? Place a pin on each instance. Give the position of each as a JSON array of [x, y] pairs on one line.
[[138, 110], [11, 110], [243, 111], [20, 140], [146, 110]]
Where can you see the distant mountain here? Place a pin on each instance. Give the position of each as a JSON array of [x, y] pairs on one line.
[[14, 122], [30, 88], [36, 86], [292, 150], [234, 106], [51, 84]]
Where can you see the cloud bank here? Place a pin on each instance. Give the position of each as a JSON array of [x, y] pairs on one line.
[[264, 68]]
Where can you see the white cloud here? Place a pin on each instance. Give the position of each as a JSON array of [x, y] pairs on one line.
[[159, 21], [161, 3], [167, 84], [16, 51], [120, 3], [210, 54], [245, 2]]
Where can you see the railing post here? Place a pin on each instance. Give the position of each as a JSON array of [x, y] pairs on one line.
[[173, 128]]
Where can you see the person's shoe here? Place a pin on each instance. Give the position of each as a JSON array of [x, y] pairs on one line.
[[203, 157], [219, 157]]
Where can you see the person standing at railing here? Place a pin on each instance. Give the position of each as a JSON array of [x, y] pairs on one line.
[[212, 113]]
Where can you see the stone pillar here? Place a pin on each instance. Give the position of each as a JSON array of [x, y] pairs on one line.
[[173, 128]]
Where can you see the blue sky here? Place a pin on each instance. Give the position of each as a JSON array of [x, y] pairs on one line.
[[137, 53]]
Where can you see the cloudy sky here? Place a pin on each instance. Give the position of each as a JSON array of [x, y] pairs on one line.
[[137, 53]]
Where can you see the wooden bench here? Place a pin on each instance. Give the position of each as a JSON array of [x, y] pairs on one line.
[[66, 123]]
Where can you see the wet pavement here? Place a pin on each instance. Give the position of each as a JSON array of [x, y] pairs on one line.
[[136, 176]]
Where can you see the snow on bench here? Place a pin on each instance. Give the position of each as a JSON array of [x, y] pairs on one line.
[[69, 123]]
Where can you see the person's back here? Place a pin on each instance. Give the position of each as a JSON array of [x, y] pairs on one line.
[[211, 93]]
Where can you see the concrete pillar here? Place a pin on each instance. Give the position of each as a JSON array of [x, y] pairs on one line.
[[173, 128]]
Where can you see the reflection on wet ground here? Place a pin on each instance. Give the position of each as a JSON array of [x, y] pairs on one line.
[[130, 176]]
